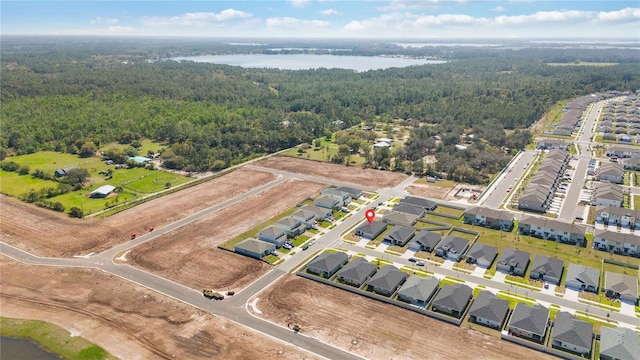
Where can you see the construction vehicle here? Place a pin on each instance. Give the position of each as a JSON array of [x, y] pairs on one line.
[[210, 294]]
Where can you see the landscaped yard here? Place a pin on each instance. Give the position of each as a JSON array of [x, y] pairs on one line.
[[598, 298], [448, 211]]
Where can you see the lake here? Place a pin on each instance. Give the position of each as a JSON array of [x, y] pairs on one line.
[[23, 349], [307, 61]]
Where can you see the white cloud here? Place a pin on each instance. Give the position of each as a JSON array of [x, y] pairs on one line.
[[196, 19], [403, 5], [499, 8], [289, 22], [544, 16], [329, 12], [110, 30], [299, 3], [620, 15], [101, 20]]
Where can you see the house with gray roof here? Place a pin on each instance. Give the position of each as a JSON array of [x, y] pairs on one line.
[[371, 231], [328, 202], [327, 263], [452, 247], [631, 164], [552, 229], [357, 272], [490, 218], [305, 216], [611, 172], [418, 290], [619, 344], [400, 235], [529, 322], [422, 202], [343, 197], [580, 277], [620, 286], [410, 209], [549, 144], [616, 242], [572, 334], [254, 248], [353, 192], [547, 269], [623, 152], [452, 299], [513, 261], [610, 215], [63, 171], [292, 226], [489, 310], [425, 240], [482, 255], [321, 213], [607, 194], [387, 280], [273, 234], [399, 218]]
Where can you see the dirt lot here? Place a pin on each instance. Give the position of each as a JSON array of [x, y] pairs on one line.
[[46, 233], [190, 256], [355, 175], [432, 191], [376, 330], [129, 321]]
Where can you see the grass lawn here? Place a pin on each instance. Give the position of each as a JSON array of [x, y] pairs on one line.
[[526, 281], [299, 240], [463, 235], [399, 249], [284, 251], [449, 184], [598, 298], [147, 145], [53, 338], [270, 259], [448, 211], [322, 154], [596, 321]]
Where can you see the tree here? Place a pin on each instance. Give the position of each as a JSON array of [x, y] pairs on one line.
[[117, 155], [88, 149], [23, 170], [317, 143], [418, 167], [57, 206], [76, 212], [75, 177]]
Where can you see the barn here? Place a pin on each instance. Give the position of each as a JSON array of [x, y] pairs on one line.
[[103, 191]]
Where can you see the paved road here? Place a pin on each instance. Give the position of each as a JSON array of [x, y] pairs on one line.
[[498, 192]]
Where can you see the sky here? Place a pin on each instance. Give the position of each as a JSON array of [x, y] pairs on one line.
[[394, 19]]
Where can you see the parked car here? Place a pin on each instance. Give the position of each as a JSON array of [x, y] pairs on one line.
[[412, 260], [420, 263], [305, 247], [311, 243]]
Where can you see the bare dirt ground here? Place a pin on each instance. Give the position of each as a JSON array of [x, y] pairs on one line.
[[376, 330], [189, 255], [355, 175], [129, 321], [46, 233], [426, 190]]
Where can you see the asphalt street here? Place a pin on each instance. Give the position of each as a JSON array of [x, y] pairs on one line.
[[512, 174]]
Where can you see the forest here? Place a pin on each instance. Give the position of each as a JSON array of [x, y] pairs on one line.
[[60, 94]]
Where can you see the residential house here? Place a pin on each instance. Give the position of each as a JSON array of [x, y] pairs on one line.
[[580, 277], [619, 344], [327, 263], [572, 334], [488, 310], [616, 242], [631, 164], [387, 280], [609, 215], [418, 290], [618, 151], [326, 201], [494, 219], [63, 172], [353, 192], [305, 216], [425, 240], [371, 230], [321, 213], [620, 286], [482, 255], [547, 269], [513, 261], [292, 226], [400, 235], [549, 144], [357, 272], [452, 247], [538, 194], [273, 234], [611, 172], [607, 194], [399, 218], [343, 197], [422, 202], [452, 299], [535, 198], [551, 229], [529, 322], [254, 248], [418, 211]]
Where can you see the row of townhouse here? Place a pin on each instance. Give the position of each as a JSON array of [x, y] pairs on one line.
[[617, 216], [551, 229], [537, 196], [607, 194], [618, 151], [616, 242], [490, 218], [611, 172]]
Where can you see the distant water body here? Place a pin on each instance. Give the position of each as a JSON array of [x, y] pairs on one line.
[[305, 62], [23, 349]]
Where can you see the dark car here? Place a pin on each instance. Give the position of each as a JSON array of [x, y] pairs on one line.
[[412, 259], [305, 247]]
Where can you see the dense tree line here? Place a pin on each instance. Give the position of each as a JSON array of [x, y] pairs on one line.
[[77, 95]]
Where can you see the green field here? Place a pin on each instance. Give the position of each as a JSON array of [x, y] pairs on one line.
[[135, 182], [322, 153], [53, 338]]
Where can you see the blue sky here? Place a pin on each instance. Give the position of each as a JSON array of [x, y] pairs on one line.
[[428, 19]]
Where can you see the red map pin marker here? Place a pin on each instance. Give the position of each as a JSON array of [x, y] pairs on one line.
[[370, 215]]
